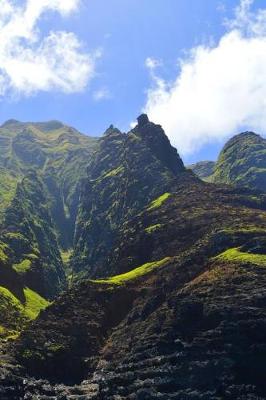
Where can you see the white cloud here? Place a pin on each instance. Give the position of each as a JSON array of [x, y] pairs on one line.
[[102, 94], [30, 62], [219, 89], [152, 63]]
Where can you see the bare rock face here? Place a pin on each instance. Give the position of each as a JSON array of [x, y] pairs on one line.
[[143, 119]]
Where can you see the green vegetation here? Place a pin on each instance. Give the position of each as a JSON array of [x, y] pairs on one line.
[[242, 162], [55, 347], [8, 334], [141, 167], [38, 212], [114, 172], [153, 228], [203, 169], [23, 267], [2, 331], [31, 234], [15, 314], [251, 229], [65, 255], [66, 258], [8, 297], [12, 315], [135, 273], [159, 201], [3, 256], [34, 303], [236, 255], [8, 183]]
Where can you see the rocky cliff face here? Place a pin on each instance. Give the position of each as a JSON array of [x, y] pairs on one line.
[[127, 172]]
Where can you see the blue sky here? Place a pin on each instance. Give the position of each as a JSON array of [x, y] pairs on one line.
[[119, 36]]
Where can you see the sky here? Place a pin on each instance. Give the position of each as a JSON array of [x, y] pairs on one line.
[[197, 67]]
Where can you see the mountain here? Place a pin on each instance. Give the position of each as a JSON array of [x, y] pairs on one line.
[[125, 174], [167, 276], [41, 167], [203, 169], [58, 153], [241, 162], [187, 321], [169, 296]]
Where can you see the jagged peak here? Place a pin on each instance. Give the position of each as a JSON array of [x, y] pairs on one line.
[[112, 130], [143, 120], [157, 140]]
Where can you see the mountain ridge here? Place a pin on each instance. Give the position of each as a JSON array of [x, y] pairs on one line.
[[135, 168], [242, 161], [41, 165], [166, 297]]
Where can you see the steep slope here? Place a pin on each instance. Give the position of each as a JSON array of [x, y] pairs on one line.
[[29, 235], [126, 173], [190, 323], [203, 169], [41, 165], [58, 153]]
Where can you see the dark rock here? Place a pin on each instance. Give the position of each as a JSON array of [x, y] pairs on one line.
[[143, 120]]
